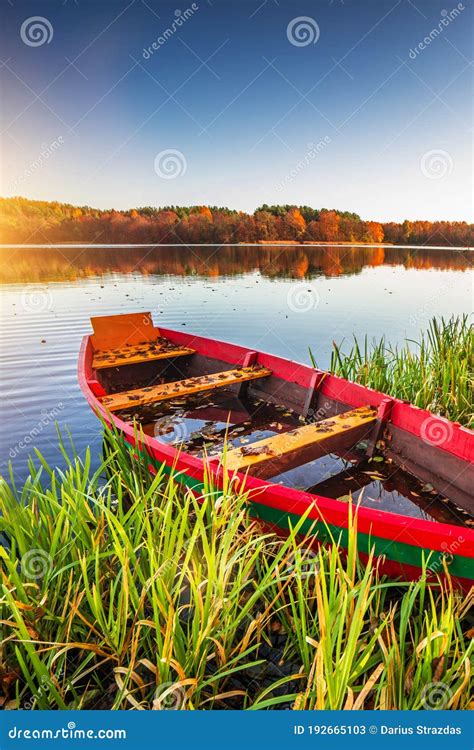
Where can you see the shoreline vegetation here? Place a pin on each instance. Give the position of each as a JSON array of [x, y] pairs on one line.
[[122, 591], [436, 372], [100, 611], [24, 221]]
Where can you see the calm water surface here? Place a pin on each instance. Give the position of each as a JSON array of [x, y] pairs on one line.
[[281, 300]]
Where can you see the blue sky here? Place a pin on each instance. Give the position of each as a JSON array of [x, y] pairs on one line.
[[240, 105]]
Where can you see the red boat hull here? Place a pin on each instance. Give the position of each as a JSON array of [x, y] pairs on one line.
[[400, 543]]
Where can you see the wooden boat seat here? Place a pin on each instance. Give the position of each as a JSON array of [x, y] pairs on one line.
[[130, 339], [147, 351], [180, 388], [272, 456]]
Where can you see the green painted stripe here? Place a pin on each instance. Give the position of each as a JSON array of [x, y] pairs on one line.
[[397, 551], [393, 550]]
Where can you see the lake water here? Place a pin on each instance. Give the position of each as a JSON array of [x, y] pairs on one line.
[[277, 299]]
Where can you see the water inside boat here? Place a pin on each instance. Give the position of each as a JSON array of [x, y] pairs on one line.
[[204, 423]]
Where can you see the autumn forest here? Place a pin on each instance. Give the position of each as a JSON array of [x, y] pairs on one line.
[[24, 221]]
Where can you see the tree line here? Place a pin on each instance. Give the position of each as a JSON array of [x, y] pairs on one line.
[[29, 221]]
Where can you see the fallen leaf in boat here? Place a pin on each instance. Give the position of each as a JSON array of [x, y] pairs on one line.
[[256, 450], [344, 498]]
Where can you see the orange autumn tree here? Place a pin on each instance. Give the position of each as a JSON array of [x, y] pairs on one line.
[[373, 231], [294, 224], [329, 222]]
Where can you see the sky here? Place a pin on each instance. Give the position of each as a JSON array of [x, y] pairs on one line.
[[127, 103]]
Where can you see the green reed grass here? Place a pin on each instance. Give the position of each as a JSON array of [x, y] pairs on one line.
[[122, 590], [436, 372]]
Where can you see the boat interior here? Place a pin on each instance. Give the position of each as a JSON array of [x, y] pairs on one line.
[[270, 427]]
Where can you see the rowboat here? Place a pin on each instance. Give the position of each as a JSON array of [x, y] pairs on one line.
[[302, 442]]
